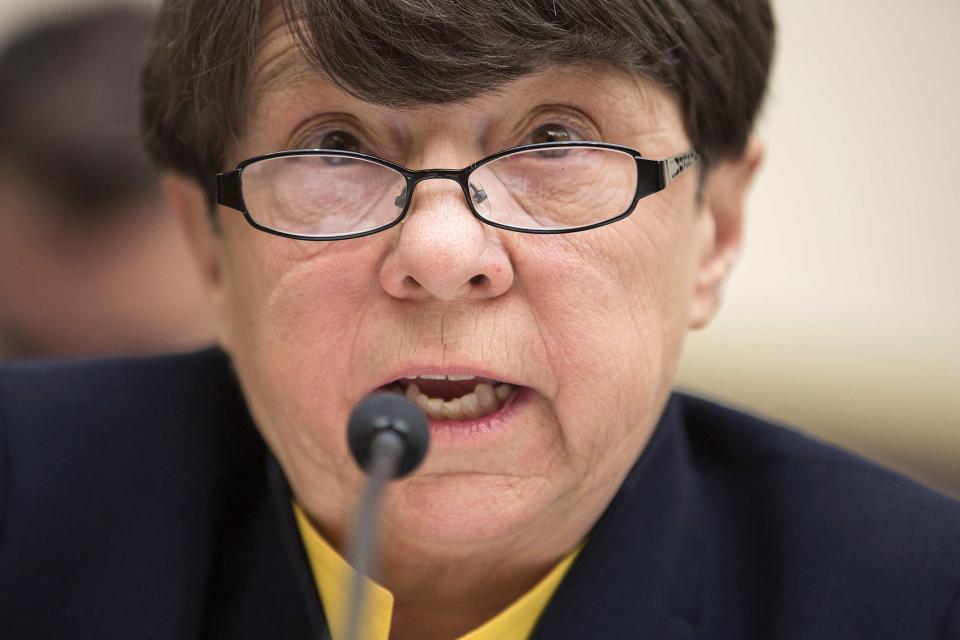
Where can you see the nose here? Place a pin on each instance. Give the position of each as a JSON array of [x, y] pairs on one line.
[[443, 252]]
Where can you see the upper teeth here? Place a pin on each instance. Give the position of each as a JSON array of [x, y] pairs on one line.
[[441, 376]]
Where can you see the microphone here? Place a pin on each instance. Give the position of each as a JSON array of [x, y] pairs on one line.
[[388, 437], [391, 414]]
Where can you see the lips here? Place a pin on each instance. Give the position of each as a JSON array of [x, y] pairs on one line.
[[454, 396]]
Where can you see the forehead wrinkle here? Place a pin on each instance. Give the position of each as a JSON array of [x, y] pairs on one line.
[[282, 71], [647, 111], [634, 104], [279, 63]]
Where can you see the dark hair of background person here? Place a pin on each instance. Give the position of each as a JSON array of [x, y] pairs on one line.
[[715, 55], [68, 110]]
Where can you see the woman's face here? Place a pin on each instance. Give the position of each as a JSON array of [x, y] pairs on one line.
[[567, 343]]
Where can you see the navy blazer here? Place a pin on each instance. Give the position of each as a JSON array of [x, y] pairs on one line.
[[137, 500]]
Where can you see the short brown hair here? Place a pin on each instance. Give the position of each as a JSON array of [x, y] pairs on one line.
[[713, 54]]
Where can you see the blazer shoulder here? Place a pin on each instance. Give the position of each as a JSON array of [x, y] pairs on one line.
[[122, 482], [85, 400], [868, 538], [745, 450], [102, 432], [740, 443]]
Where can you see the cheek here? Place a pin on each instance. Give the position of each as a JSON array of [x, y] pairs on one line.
[[296, 309], [610, 312]]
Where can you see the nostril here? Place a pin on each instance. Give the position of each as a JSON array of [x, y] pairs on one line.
[[478, 280]]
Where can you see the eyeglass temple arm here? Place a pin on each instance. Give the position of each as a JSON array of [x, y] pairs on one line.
[[672, 168], [228, 190]]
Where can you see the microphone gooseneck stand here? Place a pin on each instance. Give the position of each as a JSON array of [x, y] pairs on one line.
[[388, 437], [384, 459]]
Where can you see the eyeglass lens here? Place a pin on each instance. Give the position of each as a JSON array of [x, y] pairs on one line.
[[321, 196], [561, 188], [537, 189]]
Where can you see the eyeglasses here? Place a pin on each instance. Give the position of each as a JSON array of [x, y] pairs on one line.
[[553, 187]]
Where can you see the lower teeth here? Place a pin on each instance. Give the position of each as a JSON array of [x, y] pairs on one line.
[[484, 400]]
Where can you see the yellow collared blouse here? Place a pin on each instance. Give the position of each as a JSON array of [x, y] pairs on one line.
[[330, 571]]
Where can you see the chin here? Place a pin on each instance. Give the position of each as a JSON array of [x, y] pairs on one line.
[[462, 510]]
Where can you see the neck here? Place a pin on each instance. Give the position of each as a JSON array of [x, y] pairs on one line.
[[450, 589], [445, 599], [444, 587]]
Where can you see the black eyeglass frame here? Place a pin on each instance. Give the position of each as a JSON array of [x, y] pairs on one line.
[[652, 176]]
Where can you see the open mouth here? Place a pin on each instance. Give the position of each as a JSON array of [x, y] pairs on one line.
[[454, 397]]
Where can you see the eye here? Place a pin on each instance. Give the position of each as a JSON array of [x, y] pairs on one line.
[[338, 141], [335, 140], [552, 132]]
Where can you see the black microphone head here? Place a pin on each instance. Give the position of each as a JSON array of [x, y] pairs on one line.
[[388, 412]]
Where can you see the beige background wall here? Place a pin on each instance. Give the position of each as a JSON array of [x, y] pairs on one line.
[[844, 314]]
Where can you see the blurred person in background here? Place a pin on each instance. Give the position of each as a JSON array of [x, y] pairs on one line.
[[91, 260]]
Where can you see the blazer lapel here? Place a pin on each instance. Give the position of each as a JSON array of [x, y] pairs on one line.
[[638, 575], [260, 582], [294, 552]]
